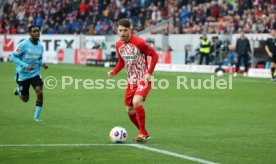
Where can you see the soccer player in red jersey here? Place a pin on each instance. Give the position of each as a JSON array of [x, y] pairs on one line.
[[132, 54]]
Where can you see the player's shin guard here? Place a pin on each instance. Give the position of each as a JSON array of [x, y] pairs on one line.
[[133, 119], [38, 109], [140, 115]]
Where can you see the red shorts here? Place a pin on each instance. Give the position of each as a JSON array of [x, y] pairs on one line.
[[141, 89]]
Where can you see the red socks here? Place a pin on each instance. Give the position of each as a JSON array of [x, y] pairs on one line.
[[140, 115], [133, 119]]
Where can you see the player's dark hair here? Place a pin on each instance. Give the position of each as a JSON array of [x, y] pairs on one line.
[[32, 26], [124, 22]]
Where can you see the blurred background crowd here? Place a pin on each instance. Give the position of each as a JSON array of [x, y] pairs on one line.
[[98, 17]]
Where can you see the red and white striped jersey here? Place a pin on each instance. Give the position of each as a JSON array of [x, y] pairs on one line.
[[133, 55]]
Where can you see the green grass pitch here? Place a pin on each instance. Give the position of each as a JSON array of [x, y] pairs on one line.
[[235, 125]]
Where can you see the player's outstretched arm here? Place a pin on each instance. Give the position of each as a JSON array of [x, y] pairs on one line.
[[154, 59], [17, 61], [119, 66], [149, 51]]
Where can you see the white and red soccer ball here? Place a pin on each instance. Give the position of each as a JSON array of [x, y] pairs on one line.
[[118, 135]]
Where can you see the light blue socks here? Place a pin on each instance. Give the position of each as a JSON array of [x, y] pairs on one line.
[[38, 109]]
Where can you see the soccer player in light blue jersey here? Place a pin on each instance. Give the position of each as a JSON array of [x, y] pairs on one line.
[[28, 60]]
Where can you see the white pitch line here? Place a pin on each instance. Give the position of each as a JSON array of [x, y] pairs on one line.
[[173, 154], [59, 145], [194, 159]]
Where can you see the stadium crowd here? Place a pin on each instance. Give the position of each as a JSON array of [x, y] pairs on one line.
[[98, 17]]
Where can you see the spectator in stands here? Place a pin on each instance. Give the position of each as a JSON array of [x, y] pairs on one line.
[[13, 30], [243, 50], [156, 15], [63, 29], [184, 15], [1, 24], [82, 9], [205, 47], [201, 15]]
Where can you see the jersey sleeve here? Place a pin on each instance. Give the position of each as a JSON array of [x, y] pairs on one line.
[[120, 64], [146, 49], [16, 56]]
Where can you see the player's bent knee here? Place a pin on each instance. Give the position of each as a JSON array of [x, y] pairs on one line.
[[136, 103], [38, 89]]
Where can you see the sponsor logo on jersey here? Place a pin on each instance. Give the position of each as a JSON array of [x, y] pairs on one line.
[[32, 56], [34, 51], [129, 57]]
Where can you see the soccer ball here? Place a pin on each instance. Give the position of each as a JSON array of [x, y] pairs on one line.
[[118, 135], [107, 64], [220, 73]]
